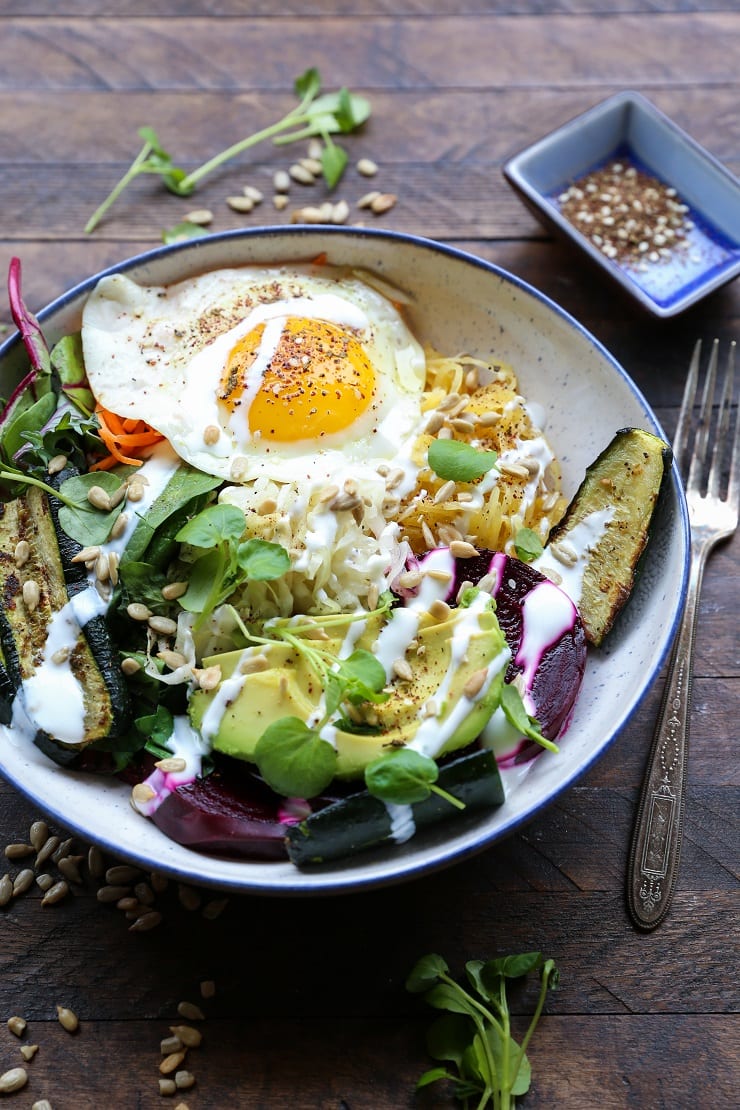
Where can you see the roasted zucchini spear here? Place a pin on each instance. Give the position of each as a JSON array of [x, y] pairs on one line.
[[24, 624], [623, 486]]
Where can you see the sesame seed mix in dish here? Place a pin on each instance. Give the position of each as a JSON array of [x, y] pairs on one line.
[[285, 568]]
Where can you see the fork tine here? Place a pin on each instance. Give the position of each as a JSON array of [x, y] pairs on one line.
[[699, 454], [733, 485], [681, 438]]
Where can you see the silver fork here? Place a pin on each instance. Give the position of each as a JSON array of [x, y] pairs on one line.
[[656, 839]]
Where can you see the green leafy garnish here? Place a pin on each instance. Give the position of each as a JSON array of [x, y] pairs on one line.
[[528, 545], [292, 756], [474, 1035], [183, 231], [79, 519], [405, 777], [452, 459], [294, 759], [314, 115], [513, 707], [227, 562]]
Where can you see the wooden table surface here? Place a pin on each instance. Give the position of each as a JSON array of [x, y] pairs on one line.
[[310, 1009]]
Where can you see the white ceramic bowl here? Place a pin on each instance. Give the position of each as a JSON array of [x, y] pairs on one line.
[[459, 303]]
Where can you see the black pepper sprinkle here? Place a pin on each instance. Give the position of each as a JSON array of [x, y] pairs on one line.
[[632, 217]]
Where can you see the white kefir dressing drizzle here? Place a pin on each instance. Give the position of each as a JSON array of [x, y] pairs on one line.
[[582, 538], [185, 743], [52, 699]]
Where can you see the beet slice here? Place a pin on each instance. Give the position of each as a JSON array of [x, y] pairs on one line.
[[227, 813], [554, 686]]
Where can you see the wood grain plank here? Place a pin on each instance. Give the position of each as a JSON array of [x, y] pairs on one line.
[[508, 50], [367, 1064]]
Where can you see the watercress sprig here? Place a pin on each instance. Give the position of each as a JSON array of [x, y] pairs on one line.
[[314, 115], [228, 561], [405, 777], [453, 459], [293, 757], [474, 1036]]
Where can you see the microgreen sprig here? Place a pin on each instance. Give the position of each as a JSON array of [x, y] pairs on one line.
[[314, 115], [405, 777], [228, 561], [474, 1034], [453, 459]]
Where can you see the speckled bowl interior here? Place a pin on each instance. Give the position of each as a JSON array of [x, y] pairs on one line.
[[458, 303]]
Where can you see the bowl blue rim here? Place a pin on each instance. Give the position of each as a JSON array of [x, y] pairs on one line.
[[516, 177], [443, 859]]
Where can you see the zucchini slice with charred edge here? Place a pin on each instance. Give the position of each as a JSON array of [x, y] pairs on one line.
[[362, 821], [624, 482], [23, 631]]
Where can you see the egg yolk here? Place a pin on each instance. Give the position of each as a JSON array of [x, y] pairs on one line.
[[316, 381]]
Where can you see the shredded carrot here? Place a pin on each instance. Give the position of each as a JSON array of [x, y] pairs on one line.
[[124, 439]]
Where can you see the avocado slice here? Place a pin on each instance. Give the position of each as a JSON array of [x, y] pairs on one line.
[[439, 697]]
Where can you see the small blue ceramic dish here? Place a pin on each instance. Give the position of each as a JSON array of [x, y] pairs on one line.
[[628, 128]]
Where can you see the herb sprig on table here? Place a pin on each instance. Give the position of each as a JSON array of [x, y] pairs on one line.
[[485, 1063], [315, 115]]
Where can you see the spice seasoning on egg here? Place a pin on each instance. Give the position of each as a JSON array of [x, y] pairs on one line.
[[631, 216]]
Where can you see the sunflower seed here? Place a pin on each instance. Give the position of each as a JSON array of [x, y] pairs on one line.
[[460, 549], [383, 203], [168, 1045], [17, 1025], [189, 1036], [6, 890], [55, 893], [18, 851], [172, 1062], [184, 1080], [240, 204], [23, 881], [119, 526], [171, 765], [38, 834], [98, 498], [368, 199], [281, 182], [207, 990], [130, 666], [44, 881], [200, 216], [402, 670], [56, 464], [46, 850], [367, 167], [13, 1080], [212, 910], [28, 1051], [146, 921], [68, 1019], [280, 201], [173, 590], [138, 612], [163, 626], [475, 683], [439, 610], [110, 894], [22, 552], [254, 194], [31, 594], [444, 493], [95, 862], [167, 1087], [300, 174]]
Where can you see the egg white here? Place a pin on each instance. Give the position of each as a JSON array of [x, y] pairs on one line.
[[157, 353]]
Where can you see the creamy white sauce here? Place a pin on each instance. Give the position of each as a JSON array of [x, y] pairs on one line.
[[402, 822], [582, 538], [547, 614], [185, 743]]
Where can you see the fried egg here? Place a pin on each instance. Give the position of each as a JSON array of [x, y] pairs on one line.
[[287, 373]]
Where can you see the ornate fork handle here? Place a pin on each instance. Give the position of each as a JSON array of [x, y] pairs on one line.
[[658, 830]]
